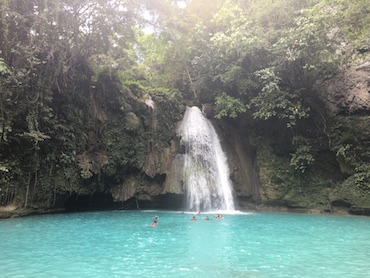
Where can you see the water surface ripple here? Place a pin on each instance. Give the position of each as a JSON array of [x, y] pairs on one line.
[[124, 244]]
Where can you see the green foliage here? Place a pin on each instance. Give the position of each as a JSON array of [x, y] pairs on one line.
[[274, 101], [4, 69], [308, 48], [86, 174], [75, 77], [362, 176], [33, 129], [273, 170], [344, 151], [284, 185], [51, 110], [4, 169], [275, 16], [347, 20], [227, 106], [132, 121], [235, 36], [169, 111], [351, 143], [302, 158]]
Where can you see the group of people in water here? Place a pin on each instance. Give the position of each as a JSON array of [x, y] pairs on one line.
[[217, 216]]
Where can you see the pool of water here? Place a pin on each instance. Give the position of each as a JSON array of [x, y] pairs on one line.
[[124, 244]]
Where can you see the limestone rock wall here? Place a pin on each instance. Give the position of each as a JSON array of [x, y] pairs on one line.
[[241, 162], [162, 172], [157, 176], [349, 90]]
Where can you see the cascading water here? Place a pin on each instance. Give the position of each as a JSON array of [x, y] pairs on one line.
[[206, 173]]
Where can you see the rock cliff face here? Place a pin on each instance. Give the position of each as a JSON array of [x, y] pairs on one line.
[[331, 185], [158, 175], [162, 172], [241, 160], [261, 178], [349, 90]]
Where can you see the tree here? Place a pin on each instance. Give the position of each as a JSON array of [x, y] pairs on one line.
[[47, 116]]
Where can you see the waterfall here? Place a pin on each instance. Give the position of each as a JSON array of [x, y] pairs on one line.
[[206, 173]]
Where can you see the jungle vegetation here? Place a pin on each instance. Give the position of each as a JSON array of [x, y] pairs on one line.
[[76, 75]]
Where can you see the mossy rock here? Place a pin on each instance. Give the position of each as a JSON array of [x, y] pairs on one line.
[[348, 192], [132, 121]]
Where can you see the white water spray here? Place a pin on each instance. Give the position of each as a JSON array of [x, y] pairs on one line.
[[206, 173]]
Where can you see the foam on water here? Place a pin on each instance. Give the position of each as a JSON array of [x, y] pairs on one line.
[[124, 244]]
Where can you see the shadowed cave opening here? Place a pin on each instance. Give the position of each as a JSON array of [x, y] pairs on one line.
[[90, 202], [104, 201], [163, 202]]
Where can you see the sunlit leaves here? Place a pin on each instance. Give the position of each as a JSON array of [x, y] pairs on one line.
[[307, 44], [3, 67], [349, 19], [362, 175], [227, 106], [273, 101], [302, 158], [354, 150], [235, 33]]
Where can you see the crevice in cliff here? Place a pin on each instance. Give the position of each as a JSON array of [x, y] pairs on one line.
[[164, 202], [94, 201]]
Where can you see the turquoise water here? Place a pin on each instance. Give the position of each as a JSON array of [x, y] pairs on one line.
[[124, 244]]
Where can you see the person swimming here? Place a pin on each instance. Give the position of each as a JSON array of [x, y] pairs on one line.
[[154, 223], [207, 218], [193, 218]]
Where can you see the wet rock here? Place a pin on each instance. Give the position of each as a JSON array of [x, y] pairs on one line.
[[349, 90]]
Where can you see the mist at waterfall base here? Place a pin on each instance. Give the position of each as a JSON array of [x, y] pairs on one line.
[[124, 244], [206, 173]]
